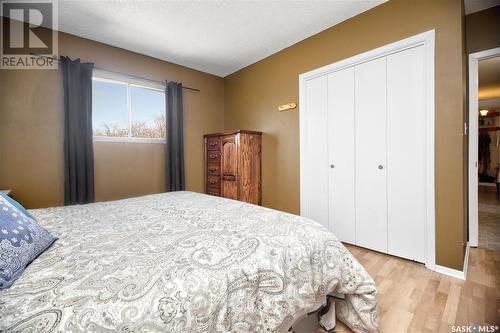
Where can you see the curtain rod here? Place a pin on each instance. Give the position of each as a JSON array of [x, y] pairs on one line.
[[124, 74]]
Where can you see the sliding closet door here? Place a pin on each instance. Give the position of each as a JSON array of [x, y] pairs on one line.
[[406, 142], [370, 133], [342, 210], [314, 152]]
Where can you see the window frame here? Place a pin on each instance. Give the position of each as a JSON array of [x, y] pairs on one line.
[[105, 76]]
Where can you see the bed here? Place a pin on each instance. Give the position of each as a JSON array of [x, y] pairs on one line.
[[184, 262]]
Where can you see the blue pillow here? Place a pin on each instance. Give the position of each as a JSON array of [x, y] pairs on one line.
[[21, 241], [17, 205]]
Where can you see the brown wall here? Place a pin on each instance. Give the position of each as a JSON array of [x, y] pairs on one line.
[[31, 128], [482, 30], [253, 94]]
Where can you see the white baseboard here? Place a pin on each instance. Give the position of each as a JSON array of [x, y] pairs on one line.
[[450, 272], [455, 272], [466, 260]]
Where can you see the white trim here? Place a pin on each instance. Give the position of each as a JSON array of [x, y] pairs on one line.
[[450, 272], [102, 79], [430, 229], [129, 110], [105, 76], [474, 59], [127, 139], [427, 40], [102, 75], [466, 260]]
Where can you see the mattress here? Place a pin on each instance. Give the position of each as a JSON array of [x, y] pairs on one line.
[[184, 262]]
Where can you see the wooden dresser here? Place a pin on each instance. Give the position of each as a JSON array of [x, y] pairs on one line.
[[233, 165]]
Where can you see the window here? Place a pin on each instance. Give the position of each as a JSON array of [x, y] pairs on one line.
[[125, 109]]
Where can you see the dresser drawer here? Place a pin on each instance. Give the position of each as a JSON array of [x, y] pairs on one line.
[[213, 156], [213, 169], [213, 143], [213, 191], [213, 181]]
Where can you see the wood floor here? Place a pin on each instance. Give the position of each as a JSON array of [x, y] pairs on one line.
[[489, 218], [413, 298]]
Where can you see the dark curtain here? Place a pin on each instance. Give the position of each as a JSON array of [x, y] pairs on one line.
[[175, 143], [78, 149]]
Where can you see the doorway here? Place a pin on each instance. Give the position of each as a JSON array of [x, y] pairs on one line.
[[484, 149]]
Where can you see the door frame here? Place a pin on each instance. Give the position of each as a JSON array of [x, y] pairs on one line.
[[426, 39], [474, 59]]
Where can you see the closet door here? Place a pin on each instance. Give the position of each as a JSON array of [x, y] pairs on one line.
[[342, 210], [370, 133], [406, 132], [314, 151]]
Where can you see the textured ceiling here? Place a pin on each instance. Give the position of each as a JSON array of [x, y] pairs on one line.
[[217, 37]]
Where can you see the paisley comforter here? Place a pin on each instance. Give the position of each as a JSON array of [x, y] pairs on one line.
[[183, 262]]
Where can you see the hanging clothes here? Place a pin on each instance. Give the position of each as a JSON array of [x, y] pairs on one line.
[[484, 151]]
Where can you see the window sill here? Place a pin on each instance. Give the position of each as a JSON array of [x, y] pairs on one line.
[[127, 140]]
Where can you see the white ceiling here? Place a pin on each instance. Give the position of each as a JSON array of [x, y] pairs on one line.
[[472, 6], [217, 37]]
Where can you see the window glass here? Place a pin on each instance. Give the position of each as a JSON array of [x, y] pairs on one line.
[[127, 110], [109, 109], [148, 113]]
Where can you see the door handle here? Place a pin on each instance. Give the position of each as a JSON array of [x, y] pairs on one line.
[[332, 166], [380, 166]]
